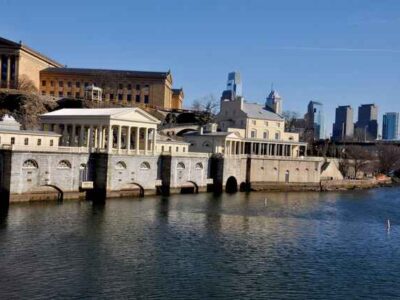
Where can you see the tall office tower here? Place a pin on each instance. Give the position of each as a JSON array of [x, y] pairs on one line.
[[367, 124], [343, 128], [233, 87], [274, 102], [315, 120], [390, 127]]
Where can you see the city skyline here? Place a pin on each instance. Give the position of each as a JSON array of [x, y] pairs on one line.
[[338, 53]]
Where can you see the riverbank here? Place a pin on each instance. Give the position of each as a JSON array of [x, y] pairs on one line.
[[325, 185]]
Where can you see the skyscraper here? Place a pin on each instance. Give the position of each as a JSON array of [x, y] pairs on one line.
[[390, 127], [343, 128], [367, 124], [315, 120], [233, 87], [274, 102]]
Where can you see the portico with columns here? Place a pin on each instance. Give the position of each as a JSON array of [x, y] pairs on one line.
[[108, 130]]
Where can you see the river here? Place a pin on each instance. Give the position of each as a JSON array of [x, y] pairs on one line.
[[241, 246]]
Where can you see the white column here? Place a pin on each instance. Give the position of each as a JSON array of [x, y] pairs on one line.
[[137, 142], [146, 142], [153, 146], [100, 138], [110, 139], [128, 139], [119, 137], [90, 137]]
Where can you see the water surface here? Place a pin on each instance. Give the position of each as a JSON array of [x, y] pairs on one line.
[[292, 246]]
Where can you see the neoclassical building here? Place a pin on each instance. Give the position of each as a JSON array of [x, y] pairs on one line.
[[109, 130], [18, 60], [246, 128], [122, 87]]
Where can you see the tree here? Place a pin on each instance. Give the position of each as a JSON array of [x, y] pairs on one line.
[[206, 107], [356, 159], [388, 158], [25, 84], [290, 119]]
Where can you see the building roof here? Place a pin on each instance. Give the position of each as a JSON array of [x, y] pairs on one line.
[[126, 113], [257, 111], [30, 132], [103, 72], [30, 51]]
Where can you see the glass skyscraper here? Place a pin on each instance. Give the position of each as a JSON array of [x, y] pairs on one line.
[[390, 127], [315, 120]]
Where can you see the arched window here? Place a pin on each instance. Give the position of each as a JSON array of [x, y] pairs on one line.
[[277, 135], [180, 166], [30, 164], [64, 164], [120, 165], [82, 166], [145, 166], [206, 144], [199, 166], [266, 135], [253, 134]]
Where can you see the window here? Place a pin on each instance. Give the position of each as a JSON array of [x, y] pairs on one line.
[[69, 84], [52, 93], [253, 134], [86, 84], [60, 94], [180, 166], [146, 98], [77, 95], [184, 149], [278, 124], [129, 97], [64, 164], [199, 166], [60, 83], [51, 83], [30, 164], [43, 82], [43, 93], [26, 141], [277, 135], [39, 142], [12, 140], [129, 86], [137, 98], [111, 96], [120, 86], [120, 165], [51, 143], [145, 166], [77, 84], [138, 87], [177, 149], [120, 97], [254, 122], [146, 86], [162, 148], [69, 94], [265, 135]]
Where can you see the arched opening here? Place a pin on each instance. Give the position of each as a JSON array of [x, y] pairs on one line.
[[120, 165], [145, 166], [189, 187], [64, 164], [46, 192], [132, 189], [231, 185], [243, 187]]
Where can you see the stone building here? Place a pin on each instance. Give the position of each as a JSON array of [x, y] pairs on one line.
[[18, 61], [132, 88]]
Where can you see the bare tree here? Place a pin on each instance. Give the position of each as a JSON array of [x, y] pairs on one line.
[[290, 119], [25, 84], [358, 159], [388, 158], [206, 107]]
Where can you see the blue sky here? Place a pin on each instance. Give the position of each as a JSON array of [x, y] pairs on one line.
[[336, 52]]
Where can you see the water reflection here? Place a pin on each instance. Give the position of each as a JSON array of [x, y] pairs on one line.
[[297, 245]]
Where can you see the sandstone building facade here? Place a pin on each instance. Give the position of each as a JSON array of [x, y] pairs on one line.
[[128, 88]]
